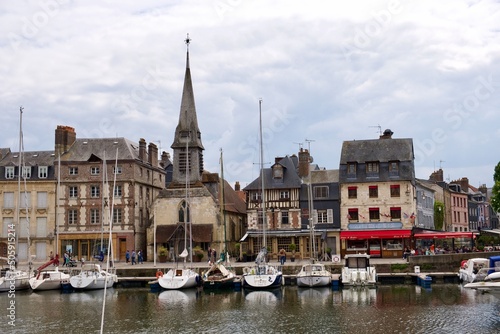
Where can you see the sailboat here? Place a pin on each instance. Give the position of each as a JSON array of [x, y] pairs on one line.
[[91, 275], [220, 275], [11, 278], [182, 278], [262, 275], [312, 274], [49, 279]]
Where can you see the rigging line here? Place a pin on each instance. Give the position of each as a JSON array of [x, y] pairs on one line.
[[110, 241]]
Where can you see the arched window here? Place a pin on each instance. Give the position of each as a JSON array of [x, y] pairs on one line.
[[183, 208]]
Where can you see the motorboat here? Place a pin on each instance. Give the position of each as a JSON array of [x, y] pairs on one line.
[[490, 284], [358, 271], [218, 276], [92, 277], [313, 275], [491, 281], [470, 268]]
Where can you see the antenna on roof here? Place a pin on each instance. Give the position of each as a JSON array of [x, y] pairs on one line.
[[159, 144], [377, 126], [441, 161], [300, 145]]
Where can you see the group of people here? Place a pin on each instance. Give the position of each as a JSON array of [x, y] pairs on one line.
[[134, 257]]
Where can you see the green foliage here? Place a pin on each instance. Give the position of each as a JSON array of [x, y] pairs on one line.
[[399, 266], [495, 194], [438, 215], [162, 251], [293, 247]]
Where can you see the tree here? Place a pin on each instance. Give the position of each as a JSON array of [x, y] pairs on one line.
[[438, 215], [495, 196]]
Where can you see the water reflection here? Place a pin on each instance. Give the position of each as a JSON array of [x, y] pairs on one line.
[[385, 309], [359, 295], [264, 297]]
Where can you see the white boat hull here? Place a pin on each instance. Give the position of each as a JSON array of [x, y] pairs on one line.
[[49, 280], [14, 280], [91, 283], [262, 277], [312, 275], [91, 277], [176, 279], [16, 283], [312, 281]]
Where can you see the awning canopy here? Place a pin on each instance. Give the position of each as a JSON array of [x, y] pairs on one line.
[[375, 234], [443, 235]]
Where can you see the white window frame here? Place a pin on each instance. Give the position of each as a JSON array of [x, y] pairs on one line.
[[118, 191], [95, 191], [117, 169], [43, 172], [26, 172], [73, 170], [94, 170], [10, 172], [73, 191], [72, 217]]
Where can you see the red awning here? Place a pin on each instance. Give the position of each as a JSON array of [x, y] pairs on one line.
[[375, 234], [443, 235]]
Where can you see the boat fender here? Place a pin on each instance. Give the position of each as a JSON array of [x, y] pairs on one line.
[[336, 259], [159, 274]]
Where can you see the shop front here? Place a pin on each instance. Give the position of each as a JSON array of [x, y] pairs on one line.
[[382, 243]]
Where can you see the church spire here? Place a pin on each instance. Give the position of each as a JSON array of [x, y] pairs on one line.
[[187, 134]]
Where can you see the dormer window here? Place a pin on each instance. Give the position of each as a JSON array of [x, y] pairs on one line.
[[278, 172], [372, 169], [351, 169]]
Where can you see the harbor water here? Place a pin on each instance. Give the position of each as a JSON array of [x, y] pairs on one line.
[[445, 308]]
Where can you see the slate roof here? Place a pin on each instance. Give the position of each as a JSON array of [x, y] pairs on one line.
[[31, 158], [290, 179], [382, 150], [82, 149]]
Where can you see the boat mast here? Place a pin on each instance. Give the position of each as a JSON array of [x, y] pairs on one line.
[[223, 203], [312, 241], [58, 192], [264, 218], [19, 172]]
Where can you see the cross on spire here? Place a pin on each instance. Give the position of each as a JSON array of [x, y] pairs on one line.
[[187, 41]]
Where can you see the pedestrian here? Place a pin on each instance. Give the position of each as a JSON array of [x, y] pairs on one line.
[[282, 256], [133, 257], [139, 257], [127, 257]]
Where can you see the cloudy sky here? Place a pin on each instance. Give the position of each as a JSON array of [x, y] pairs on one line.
[[327, 71]]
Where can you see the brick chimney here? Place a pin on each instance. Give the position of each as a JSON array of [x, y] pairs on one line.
[[237, 186], [464, 184], [142, 150], [387, 134], [153, 154], [437, 176], [65, 136], [483, 189], [304, 160]]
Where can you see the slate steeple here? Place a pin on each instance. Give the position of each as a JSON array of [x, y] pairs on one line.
[[187, 135]]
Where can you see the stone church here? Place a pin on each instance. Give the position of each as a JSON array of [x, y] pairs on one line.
[[190, 213]]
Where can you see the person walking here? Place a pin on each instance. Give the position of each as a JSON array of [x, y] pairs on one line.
[[282, 256], [133, 257], [127, 257]]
